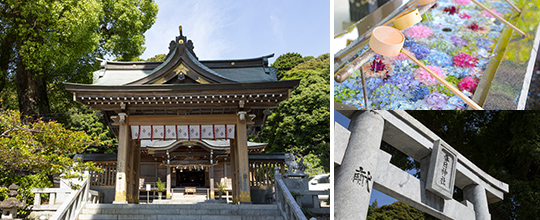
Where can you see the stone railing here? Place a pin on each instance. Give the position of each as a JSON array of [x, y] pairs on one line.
[[316, 198], [285, 201], [65, 203]]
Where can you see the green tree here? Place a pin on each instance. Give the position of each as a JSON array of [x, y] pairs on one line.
[[286, 62], [396, 211], [44, 43], [302, 123], [31, 153], [159, 57]]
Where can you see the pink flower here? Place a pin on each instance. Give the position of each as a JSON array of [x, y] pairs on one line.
[[468, 84], [464, 15], [489, 15], [462, 2], [424, 77], [401, 57], [418, 31], [465, 60]]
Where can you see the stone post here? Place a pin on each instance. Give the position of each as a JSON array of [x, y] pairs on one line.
[[476, 194], [354, 178]]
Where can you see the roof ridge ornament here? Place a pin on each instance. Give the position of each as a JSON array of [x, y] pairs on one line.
[[182, 40]]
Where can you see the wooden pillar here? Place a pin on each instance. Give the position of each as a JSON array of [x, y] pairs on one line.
[[129, 172], [242, 165], [120, 196], [136, 169], [234, 177]]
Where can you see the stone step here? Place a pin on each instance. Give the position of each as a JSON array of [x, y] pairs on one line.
[[176, 217], [201, 211], [176, 211], [183, 206]]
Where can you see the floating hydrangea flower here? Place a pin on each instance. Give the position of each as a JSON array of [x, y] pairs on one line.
[[479, 28], [401, 57], [436, 100], [418, 31], [451, 10], [403, 81], [484, 42], [441, 59], [384, 96], [464, 15], [462, 2], [489, 15], [444, 46], [468, 84], [419, 93], [372, 84], [457, 72], [465, 60], [424, 77], [454, 103], [458, 41], [420, 51]]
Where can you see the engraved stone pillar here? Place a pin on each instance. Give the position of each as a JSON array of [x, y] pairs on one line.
[[120, 196], [476, 194], [354, 181]]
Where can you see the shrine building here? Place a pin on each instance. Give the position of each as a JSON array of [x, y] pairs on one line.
[[185, 121]]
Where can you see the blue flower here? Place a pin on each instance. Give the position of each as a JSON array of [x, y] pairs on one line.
[[441, 59], [419, 93]]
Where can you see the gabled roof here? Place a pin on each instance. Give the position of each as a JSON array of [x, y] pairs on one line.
[[183, 67]]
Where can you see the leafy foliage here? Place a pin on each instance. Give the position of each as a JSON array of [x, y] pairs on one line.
[[287, 62], [39, 147], [159, 57], [30, 154], [396, 211], [302, 123]]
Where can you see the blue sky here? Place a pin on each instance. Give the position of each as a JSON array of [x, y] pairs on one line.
[[242, 28]]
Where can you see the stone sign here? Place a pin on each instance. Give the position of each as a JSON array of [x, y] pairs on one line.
[[442, 170]]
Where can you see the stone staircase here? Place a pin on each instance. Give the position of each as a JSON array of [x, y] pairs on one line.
[[200, 211]]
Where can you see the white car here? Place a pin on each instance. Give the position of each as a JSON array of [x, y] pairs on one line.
[[320, 182]]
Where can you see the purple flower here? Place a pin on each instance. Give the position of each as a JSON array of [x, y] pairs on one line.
[[420, 51], [436, 100], [458, 41]]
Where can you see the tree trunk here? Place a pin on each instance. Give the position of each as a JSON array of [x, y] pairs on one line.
[[32, 93]]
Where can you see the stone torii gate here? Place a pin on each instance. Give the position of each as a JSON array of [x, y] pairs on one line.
[[361, 166]]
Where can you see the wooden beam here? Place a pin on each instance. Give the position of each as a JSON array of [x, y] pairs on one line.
[[181, 119]]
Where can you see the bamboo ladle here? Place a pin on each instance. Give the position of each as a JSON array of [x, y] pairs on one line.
[[388, 41]]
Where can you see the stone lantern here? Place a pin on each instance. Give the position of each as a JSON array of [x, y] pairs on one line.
[[11, 204]]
